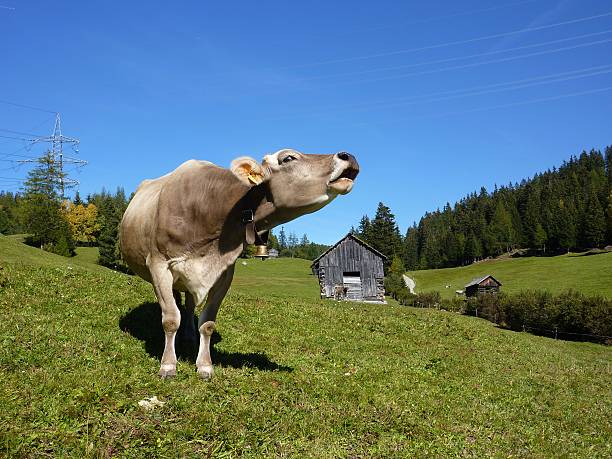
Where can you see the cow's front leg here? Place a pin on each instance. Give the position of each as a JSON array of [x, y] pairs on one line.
[[171, 318], [206, 324]]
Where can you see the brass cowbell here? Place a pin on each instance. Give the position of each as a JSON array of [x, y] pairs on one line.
[[261, 251]]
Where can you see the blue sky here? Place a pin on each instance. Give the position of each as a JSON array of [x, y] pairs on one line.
[[435, 99]]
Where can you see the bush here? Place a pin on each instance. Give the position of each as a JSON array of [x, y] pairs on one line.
[[427, 300], [570, 315], [456, 304], [488, 306], [404, 297]]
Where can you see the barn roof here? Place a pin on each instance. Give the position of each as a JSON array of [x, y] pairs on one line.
[[478, 280], [352, 236]]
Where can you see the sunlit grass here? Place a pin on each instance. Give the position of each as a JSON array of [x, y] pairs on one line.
[[295, 376], [591, 275]]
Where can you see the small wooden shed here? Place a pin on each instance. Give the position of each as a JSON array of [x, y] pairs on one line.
[[351, 270], [486, 284]]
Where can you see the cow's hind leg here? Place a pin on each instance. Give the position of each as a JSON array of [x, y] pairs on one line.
[[171, 317], [206, 324]]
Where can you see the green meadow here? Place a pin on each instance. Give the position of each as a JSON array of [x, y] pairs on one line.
[[589, 274], [295, 376]]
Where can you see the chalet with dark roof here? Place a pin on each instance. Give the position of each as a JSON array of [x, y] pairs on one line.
[[485, 284]]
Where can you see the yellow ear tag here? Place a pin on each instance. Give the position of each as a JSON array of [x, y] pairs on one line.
[[255, 179]]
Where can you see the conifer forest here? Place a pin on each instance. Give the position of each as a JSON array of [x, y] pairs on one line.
[[564, 209]]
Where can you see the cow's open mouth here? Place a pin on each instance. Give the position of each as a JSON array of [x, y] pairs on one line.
[[350, 173], [343, 184]]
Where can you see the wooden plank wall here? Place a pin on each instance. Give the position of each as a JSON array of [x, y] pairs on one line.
[[350, 256]]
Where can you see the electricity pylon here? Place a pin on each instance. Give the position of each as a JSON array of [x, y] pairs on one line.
[[57, 141]]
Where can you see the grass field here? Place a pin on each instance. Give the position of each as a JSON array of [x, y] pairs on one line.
[[588, 274], [294, 376]]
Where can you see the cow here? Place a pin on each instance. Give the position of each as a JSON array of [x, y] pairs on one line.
[[184, 231]]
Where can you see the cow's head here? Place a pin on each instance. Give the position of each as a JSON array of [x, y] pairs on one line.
[[299, 182]]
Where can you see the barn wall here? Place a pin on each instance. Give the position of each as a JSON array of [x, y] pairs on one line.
[[349, 256]]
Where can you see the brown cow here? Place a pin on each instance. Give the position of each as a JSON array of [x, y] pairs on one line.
[[185, 230]]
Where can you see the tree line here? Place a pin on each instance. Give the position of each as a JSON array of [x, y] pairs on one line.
[[58, 225], [560, 210], [290, 246]]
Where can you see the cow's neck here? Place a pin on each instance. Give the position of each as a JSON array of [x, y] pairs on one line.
[[258, 200]]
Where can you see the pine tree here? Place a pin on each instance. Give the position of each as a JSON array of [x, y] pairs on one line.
[[540, 237], [501, 229], [384, 233], [594, 222], [282, 239], [397, 266], [77, 199], [609, 219], [364, 229], [273, 241], [411, 248], [111, 209], [41, 212], [473, 248], [9, 213], [566, 226]]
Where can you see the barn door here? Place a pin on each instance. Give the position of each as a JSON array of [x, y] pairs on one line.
[[352, 284]]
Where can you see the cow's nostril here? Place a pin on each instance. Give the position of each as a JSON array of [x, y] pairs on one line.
[[344, 156]]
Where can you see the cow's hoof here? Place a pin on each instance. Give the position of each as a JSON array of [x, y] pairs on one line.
[[205, 373], [167, 372]]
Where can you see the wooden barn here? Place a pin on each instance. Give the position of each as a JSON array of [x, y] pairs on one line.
[[486, 284], [351, 270]]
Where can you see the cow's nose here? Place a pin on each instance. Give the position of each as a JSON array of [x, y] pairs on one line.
[[344, 156]]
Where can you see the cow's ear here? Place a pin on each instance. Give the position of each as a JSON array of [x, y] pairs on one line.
[[248, 170]]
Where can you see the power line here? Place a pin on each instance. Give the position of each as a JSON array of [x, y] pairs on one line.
[[510, 88], [25, 147], [491, 85], [452, 59], [453, 15], [20, 133], [14, 138], [509, 105], [451, 43], [468, 92], [30, 107], [476, 64]]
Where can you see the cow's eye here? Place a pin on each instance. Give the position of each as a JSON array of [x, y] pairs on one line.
[[288, 159]]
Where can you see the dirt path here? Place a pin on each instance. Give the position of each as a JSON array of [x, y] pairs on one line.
[[410, 283]]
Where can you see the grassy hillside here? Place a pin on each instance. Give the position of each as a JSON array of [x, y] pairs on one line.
[[588, 274], [295, 376]]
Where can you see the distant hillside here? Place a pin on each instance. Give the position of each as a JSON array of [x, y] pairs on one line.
[[559, 210], [587, 274]]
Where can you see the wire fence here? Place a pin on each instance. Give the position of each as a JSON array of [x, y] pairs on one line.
[[556, 332]]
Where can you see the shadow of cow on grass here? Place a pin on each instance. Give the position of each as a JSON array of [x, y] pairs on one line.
[[144, 324]]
